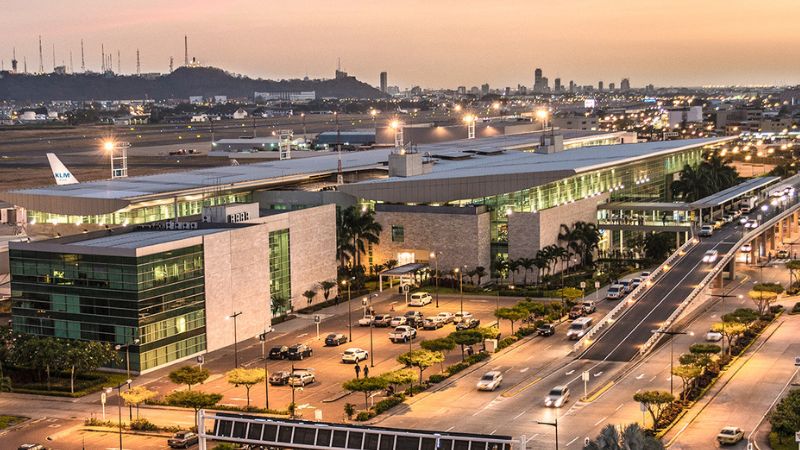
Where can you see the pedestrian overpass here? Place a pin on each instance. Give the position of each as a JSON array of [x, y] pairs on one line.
[[301, 434]]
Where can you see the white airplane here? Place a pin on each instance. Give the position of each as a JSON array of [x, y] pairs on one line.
[[60, 171]]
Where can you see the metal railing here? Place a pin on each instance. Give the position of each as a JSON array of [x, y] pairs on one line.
[[650, 343], [631, 298]]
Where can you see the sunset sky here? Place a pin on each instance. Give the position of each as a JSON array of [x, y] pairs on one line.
[[432, 43]]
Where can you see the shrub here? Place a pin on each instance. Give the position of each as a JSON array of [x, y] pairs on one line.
[[796, 308], [143, 425], [505, 342], [226, 446], [437, 378], [775, 309], [388, 403], [363, 416], [527, 331]]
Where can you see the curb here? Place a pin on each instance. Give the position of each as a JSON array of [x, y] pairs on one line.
[[337, 397], [124, 431]]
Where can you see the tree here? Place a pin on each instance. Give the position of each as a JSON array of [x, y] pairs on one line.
[[764, 294], [794, 272], [40, 354], [443, 345], [349, 410], [744, 316], [136, 396], [511, 314], [309, 295], [247, 378], [84, 356], [655, 402], [466, 337], [633, 437], [691, 185], [367, 385], [356, 228], [196, 400], [687, 373], [189, 375], [421, 359], [527, 264], [399, 377], [657, 246], [326, 287], [480, 272], [729, 331], [785, 418]]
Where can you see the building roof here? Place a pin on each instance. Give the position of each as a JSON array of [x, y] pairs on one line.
[[141, 239], [733, 192], [484, 174]]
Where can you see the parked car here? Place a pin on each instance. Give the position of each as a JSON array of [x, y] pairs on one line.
[[446, 317], [579, 327], [420, 299], [645, 275], [279, 352], [432, 323], [706, 231], [546, 329], [354, 355], [366, 321], [462, 315], [403, 333], [301, 378], [718, 224], [381, 320], [279, 378], [746, 248], [710, 256], [397, 321], [490, 381], [468, 324], [626, 286], [299, 351], [730, 435], [615, 292], [752, 224], [31, 447], [557, 397], [782, 254], [576, 311], [183, 439], [334, 339], [414, 319], [713, 336], [636, 282], [588, 306]]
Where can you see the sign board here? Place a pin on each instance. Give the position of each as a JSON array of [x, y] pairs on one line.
[[597, 285], [797, 360], [103, 398], [201, 359], [316, 318], [585, 375], [363, 302], [797, 436], [583, 285], [406, 288]]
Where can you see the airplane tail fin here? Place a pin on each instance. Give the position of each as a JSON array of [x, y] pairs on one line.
[[60, 171]]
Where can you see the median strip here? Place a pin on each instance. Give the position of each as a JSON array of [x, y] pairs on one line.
[[598, 393]]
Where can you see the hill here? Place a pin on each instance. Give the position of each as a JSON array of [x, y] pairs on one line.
[[181, 83]]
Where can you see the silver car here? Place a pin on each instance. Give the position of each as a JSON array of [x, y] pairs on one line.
[[557, 397]]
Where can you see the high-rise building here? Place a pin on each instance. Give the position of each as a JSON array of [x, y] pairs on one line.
[[611, 86], [545, 86], [600, 86], [557, 85], [384, 82], [625, 85], [571, 86], [537, 78], [461, 90], [485, 89]]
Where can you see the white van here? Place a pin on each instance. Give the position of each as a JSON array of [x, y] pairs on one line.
[[579, 327], [615, 292]]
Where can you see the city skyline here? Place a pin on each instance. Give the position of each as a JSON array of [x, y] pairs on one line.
[[292, 41]]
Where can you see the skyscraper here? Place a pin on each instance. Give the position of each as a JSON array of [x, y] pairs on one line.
[[537, 78], [571, 86], [384, 82], [485, 89], [600, 86], [557, 85], [611, 86], [625, 85]]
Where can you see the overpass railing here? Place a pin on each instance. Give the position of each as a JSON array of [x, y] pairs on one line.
[[631, 298], [716, 270]]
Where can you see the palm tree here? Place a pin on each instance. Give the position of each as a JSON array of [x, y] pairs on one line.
[[527, 264], [541, 263], [480, 272], [721, 174], [513, 266], [692, 184], [356, 229], [501, 267]]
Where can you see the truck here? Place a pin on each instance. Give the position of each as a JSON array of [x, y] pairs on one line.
[[403, 333], [747, 204]]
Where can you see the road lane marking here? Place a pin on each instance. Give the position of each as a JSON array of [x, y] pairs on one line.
[[641, 375], [548, 347], [524, 370], [519, 415], [450, 428], [512, 392], [493, 431], [654, 377], [599, 422], [619, 407], [570, 442], [570, 372], [302, 335], [598, 373]]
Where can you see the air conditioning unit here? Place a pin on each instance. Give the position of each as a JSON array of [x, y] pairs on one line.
[[170, 225], [194, 226]]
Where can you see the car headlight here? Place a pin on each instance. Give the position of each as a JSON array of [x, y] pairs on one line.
[[559, 402]]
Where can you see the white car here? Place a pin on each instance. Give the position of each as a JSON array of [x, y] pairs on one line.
[[420, 299], [706, 231], [354, 355], [730, 435], [397, 321], [713, 336], [636, 282], [746, 248], [366, 321], [446, 317], [490, 381], [557, 397], [615, 292], [751, 224], [462, 316], [710, 256], [301, 378]]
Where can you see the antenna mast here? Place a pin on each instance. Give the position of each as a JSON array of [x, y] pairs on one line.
[[103, 54], [119, 64], [185, 50], [41, 60], [138, 64], [83, 59]]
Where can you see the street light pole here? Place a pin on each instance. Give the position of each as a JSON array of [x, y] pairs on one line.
[[435, 256], [263, 338], [235, 339], [554, 424], [128, 368], [119, 407], [722, 297], [349, 309], [672, 335]]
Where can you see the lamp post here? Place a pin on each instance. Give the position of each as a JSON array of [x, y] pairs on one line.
[[235, 339], [119, 407], [671, 334], [371, 326], [347, 283], [723, 296], [119, 347], [435, 257], [554, 424], [263, 338], [460, 287], [373, 113]]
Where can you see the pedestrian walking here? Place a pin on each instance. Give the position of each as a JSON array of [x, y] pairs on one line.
[[366, 370], [358, 371]]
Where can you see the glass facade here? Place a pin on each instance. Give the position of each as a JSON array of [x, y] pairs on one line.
[[143, 213], [158, 299], [280, 272]]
